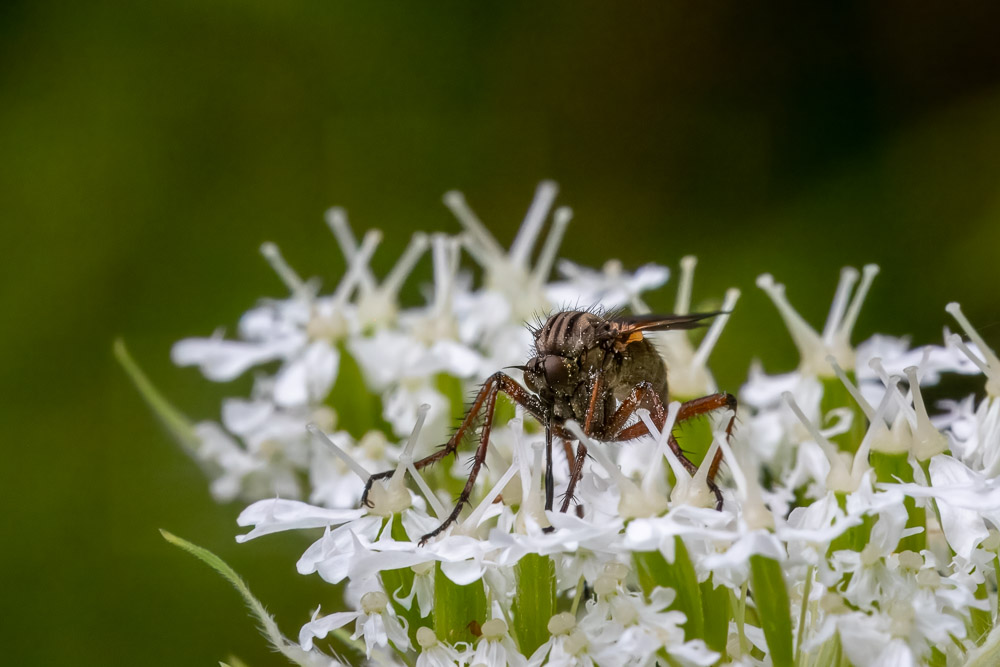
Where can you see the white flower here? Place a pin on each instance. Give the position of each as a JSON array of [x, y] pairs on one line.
[[375, 621], [434, 653], [496, 648], [509, 272], [835, 339]]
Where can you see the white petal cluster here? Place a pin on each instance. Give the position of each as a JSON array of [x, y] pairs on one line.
[[856, 527]]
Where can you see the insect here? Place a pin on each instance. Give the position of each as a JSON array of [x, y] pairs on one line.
[[591, 368]]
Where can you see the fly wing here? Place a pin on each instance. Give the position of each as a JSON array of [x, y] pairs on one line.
[[629, 324]]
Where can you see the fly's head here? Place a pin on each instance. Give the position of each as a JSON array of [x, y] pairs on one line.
[[570, 349]]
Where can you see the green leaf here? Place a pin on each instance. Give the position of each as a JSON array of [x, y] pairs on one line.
[[289, 649], [893, 467], [457, 609], [177, 423], [770, 595], [654, 570], [534, 601]]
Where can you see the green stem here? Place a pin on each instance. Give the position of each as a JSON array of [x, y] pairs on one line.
[[456, 608], [717, 612], [996, 573], [770, 596], [740, 607], [175, 421], [895, 467], [577, 596], [534, 600]]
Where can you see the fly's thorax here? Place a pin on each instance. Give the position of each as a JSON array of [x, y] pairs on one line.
[[573, 332], [640, 362]]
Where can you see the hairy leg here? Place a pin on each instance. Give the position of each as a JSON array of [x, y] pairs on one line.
[[644, 394], [485, 401]]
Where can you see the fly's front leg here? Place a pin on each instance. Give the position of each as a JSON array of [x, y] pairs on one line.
[[550, 482], [477, 463], [496, 382]]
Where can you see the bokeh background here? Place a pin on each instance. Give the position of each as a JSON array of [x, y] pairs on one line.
[[147, 149]]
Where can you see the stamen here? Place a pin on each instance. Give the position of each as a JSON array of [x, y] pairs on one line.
[[838, 478], [700, 478], [876, 365], [683, 303], [803, 335], [755, 513], [957, 341], [852, 389], [476, 516], [357, 266], [680, 472], [661, 443], [531, 503], [848, 276], [520, 249], [927, 441], [439, 510], [455, 201], [355, 467], [397, 475], [394, 281], [990, 364], [632, 502], [292, 281], [602, 458], [868, 274], [547, 255], [878, 422], [714, 331], [445, 253], [336, 220]]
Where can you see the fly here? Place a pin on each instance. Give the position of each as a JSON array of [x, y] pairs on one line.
[[593, 369]]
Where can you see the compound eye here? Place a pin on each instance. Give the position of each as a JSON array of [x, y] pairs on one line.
[[533, 375], [556, 370]]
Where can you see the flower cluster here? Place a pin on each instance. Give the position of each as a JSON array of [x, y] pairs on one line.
[[857, 526]]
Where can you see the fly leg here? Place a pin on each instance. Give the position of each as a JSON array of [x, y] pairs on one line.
[[485, 401], [581, 450], [700, 406], [693, 408]]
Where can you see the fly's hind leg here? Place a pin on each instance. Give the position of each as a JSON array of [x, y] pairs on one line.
[[644, 395]]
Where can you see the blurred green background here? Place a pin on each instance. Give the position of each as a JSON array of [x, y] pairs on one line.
[[147, 149]]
